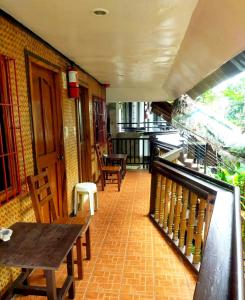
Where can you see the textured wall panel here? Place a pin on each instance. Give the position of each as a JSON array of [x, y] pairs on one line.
[[13, 42]]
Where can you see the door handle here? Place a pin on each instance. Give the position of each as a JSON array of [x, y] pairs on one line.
[[60, 157]]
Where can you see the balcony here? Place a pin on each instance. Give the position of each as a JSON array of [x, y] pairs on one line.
[[173, 233]]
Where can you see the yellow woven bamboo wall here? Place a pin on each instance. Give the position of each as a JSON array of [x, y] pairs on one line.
[[13, 42]]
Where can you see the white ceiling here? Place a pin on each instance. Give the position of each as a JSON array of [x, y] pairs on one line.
[[132, 48], [148, 50]]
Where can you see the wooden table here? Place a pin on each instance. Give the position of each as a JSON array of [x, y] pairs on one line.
[[120, 158], [40, 246]]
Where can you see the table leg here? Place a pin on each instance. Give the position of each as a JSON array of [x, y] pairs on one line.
[[70, 272], [79, 258], [51, 284], [88, 249], [25, 281]]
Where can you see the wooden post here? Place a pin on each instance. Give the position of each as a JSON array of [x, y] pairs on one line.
[[162, 200], [191, 224], [167, 198], [209, 212], [172, 206], [157, 201], [198, 235], [153, 193], [183, 218], [177, 212]]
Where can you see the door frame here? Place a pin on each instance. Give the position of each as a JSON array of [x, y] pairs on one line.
[[87, 131], [38, 60]]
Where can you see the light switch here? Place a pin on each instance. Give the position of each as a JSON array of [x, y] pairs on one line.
[[66, 132]]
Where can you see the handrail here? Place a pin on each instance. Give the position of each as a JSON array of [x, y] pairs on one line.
[[220, 250], [237, 247], [172, 155], [146, 126], [153, 122]]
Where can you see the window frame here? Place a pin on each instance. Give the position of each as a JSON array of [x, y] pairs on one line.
[[9, 126]]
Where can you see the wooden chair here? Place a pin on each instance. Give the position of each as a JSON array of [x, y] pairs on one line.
[[107, 169], [41, 196], [115, 159]]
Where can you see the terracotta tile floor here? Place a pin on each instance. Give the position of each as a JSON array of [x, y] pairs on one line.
[[130, 260]]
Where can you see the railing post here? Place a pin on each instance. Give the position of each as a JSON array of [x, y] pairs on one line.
[[152, 141], [205, 159], [183, 218], [157, 199], [171, 213], [198, 235], [177, 213], [191, 224], [167, 198], [153, 193], [162, 200]]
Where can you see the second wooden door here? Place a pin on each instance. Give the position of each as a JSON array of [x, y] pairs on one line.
[[84, 143]]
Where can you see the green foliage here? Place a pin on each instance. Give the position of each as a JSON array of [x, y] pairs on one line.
[[207, 97], [243, 229], [237, 151], [236, 92], [236, 177], [236, 95]]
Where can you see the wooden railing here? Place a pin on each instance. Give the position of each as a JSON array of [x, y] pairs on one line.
[[137, 149], [200, 216]]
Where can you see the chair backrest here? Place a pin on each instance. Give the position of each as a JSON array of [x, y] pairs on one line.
[[109, 145], [41, 196], [99, 156]]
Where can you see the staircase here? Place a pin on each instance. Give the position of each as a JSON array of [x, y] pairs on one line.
[[190, 163]]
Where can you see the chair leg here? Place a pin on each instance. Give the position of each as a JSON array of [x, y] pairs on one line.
[[102, 180], [119, 180], [82, 204], [79, 258], [105, 177], [88, 248], [96, 201]]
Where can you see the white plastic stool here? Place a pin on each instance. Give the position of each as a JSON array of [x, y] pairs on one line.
[[90, 189]]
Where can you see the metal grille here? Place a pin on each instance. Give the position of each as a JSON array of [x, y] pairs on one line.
[[12, 160]]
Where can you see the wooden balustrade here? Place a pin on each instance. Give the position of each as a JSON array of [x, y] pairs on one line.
[[200, 217], [181, 213]]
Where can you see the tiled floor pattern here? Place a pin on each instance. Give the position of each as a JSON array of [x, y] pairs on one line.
[[130, 259]]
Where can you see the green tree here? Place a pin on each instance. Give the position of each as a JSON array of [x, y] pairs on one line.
[[207, 97], [236, 95]]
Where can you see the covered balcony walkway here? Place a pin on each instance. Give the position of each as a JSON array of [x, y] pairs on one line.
[[130, 259]]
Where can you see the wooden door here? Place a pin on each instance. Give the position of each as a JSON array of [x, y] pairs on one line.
[[48, 133], [84, 142]]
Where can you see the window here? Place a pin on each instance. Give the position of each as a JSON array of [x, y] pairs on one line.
[[99, 120], [12, 165]]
